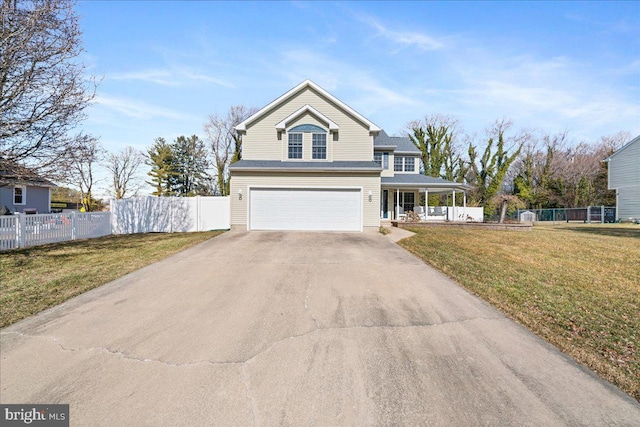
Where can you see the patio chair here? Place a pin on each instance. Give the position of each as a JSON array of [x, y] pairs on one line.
[[419, 210]]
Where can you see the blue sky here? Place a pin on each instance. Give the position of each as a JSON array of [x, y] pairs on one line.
[[553, 66]]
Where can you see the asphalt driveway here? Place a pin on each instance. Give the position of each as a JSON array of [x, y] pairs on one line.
[[296, 329]]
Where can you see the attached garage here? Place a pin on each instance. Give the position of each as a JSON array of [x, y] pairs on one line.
[[305, 209]]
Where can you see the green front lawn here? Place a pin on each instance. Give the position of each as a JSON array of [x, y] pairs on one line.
[[36, 278], [577, 286]]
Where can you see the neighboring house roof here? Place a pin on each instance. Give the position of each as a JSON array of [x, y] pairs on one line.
[[277, 165], [615, 153], [414, 180], [400, 144], [241, 127], [14, 174]]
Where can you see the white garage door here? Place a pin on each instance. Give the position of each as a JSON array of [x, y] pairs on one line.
[[305, 209]]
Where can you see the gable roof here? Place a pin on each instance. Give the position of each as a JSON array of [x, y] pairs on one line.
[[12, 173], [307, 109], [400, 144], [615, 153], [241, 127]]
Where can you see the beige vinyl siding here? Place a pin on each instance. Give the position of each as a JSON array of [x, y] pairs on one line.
[[261, 140], [624, 176], [242, 181]]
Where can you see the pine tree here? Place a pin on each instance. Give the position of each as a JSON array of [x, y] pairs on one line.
[[163, 167]]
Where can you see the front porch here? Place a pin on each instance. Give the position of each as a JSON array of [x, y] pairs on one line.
[[402, 194]]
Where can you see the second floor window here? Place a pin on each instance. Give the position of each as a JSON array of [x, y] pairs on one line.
[[409, 164], [397, 163], [404, 164], [295, 146], [319, 146], [382, 159]]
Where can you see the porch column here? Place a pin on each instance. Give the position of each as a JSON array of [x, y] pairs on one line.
[[453, 205], [426, 204], [397, 203], [464, 204]]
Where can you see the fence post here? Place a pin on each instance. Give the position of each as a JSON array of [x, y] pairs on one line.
[[22, 230], [554, 217], [73, 225], [602, 214], [588, 214]]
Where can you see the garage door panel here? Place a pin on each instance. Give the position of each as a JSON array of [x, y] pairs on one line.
[[305, 209]]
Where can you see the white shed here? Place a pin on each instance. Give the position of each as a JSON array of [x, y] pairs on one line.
[[624, 177], [527, 216]]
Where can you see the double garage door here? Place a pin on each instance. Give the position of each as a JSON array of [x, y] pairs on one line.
[[305, 209]]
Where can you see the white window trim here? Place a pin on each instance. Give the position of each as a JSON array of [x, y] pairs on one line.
[[24, 195], [404, 162], [301, 146], [326, 146]]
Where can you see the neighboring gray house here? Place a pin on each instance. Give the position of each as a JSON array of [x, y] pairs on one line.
[[21, 188], [624, 177]]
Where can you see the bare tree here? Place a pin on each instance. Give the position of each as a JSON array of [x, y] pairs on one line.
[[84, 161], [225, 142], [43, 87], [123, 167]]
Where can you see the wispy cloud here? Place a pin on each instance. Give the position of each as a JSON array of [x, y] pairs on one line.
[[621, 26], [170, 77], [337, 75], [405, 38], [136, 109], [551, 93], [158, 76]]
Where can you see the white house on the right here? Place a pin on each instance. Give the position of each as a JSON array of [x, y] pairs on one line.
[[624, 177]]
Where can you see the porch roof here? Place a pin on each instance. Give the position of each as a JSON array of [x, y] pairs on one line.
[[422, 182]]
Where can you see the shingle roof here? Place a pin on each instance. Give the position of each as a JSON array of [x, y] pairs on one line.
[[12, 173], [345, 166], [402, 144], [423, 181]]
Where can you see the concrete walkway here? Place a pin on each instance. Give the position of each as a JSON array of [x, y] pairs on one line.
[[396, 234], [296, 329]]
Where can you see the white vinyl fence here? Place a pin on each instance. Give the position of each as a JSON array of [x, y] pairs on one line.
[[170, 214], [20, 231]]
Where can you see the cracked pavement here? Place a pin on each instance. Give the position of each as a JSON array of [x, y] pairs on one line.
[[268, 328]]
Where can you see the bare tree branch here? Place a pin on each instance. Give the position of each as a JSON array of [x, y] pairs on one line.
[[123, 167], [43, 87]]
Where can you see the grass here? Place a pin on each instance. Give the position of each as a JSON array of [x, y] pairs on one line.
[[36, 278], [576, 286]]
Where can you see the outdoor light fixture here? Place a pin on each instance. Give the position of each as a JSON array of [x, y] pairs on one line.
[[240, 194], [370, 195]]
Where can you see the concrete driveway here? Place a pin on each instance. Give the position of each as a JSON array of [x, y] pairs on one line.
[[296, 329]]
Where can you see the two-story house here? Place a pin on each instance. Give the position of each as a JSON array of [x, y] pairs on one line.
[[624, 177], [311, 162]]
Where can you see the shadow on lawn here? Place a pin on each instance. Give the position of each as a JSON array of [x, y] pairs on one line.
[[608, 231], [66, 251]]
